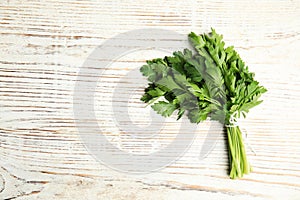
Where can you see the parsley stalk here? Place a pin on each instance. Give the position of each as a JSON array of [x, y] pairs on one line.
[[238, 162]]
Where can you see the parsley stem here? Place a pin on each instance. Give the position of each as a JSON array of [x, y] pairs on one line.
[[238, 162]]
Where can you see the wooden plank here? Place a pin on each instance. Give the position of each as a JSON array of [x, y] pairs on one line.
[[45, 43]]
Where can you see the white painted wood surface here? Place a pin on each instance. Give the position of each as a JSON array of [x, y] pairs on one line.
[[44, 44]]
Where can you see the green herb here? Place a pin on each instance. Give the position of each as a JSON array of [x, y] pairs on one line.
[[212, 82]]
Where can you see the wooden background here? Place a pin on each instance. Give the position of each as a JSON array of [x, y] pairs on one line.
[[43, 45]]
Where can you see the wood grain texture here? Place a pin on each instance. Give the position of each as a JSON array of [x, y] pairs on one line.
[[43, 46]]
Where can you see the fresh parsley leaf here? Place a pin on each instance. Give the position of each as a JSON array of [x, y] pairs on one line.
[[164, 108]]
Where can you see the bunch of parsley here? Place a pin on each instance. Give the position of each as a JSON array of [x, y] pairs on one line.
[[213, 82]]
